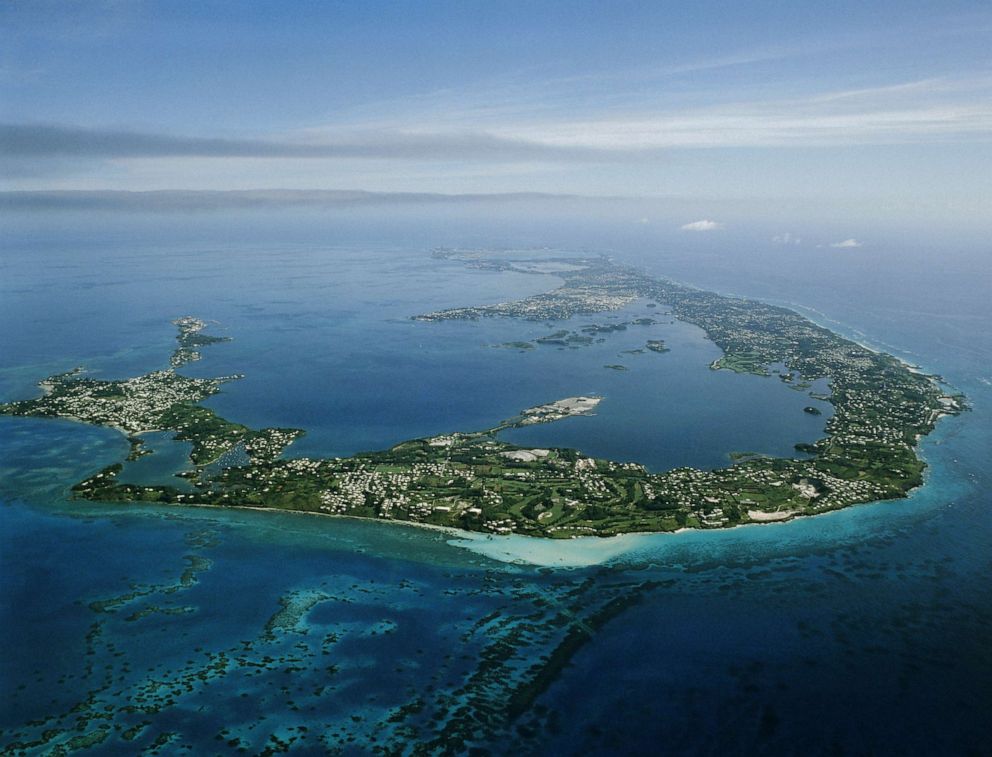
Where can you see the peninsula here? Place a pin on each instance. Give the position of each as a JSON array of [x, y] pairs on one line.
[[477, 482]]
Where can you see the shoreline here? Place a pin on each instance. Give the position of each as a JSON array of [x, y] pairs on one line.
[[930, 388], [466, 539], [549, 552], [821, 319], [246, 508], [520, 549]]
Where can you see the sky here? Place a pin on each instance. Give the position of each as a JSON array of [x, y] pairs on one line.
[[836, 107]]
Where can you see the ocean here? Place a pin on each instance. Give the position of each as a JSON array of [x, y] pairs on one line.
[[131, 628]]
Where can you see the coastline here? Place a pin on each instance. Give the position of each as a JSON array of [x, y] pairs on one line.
[[477, 535], [582, 551], [576, 551], [487, 545], [589, 551], [842, 490], [822, 320]]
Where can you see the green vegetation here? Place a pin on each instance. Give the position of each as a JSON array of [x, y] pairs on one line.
[[474, 481], [211, 435], [564, 338], [742, 362]]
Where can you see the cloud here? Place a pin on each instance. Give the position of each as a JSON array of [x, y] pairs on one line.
[[918, 111], [704, 225], [207, 200], [929, 110], [50, 141], [847, 244], [786, 238]]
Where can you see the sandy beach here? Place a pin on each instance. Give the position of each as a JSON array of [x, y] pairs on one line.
[[760, 516]]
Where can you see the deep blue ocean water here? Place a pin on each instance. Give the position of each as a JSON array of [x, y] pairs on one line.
[[863, 631]]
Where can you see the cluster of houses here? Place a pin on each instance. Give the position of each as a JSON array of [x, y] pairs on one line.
[[132, 405]]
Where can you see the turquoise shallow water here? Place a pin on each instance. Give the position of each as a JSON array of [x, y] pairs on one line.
[[865, 630]]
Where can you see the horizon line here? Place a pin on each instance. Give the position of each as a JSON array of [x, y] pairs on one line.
[[216, 199]]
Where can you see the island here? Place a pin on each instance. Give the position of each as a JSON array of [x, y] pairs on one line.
[[475, 481]]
